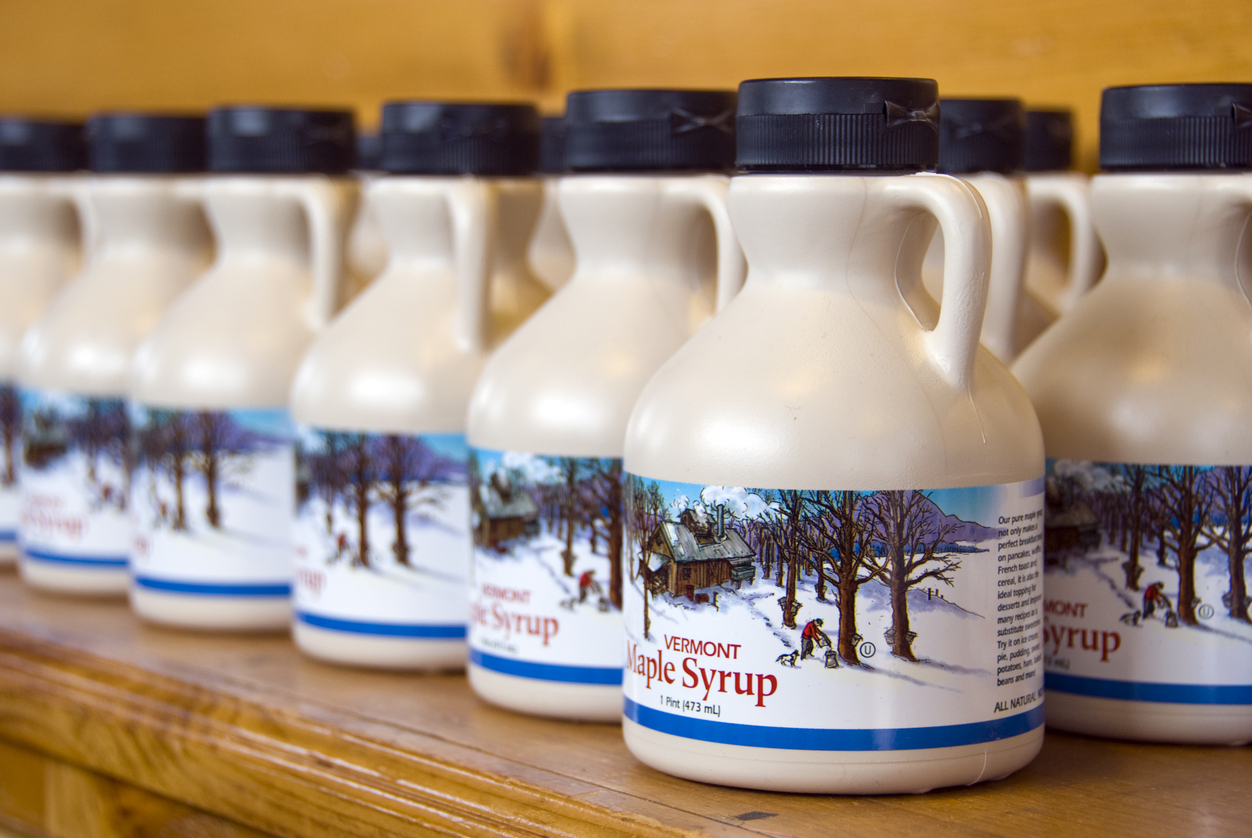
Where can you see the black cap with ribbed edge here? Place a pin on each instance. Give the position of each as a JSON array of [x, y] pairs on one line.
[[369, 149], [145, 143], [837, 124], [1176, 126], [41, 145], [552, 145], [981, 135], [1049, 140], [649, 130], [454, 138], [248, 139]]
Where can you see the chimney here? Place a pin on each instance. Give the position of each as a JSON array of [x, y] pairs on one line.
[[721, 522]]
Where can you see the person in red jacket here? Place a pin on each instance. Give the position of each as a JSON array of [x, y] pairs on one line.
[[1153, 598], [587, 584], [811, 637]]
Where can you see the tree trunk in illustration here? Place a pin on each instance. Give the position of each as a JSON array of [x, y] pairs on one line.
[[210, 466], [570, 466], [1136, 477]]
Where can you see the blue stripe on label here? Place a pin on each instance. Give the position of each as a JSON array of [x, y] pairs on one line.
[[212, 590], [824, 739], [8, 536], [1143, 691], [384, 629], [90, 561], [609, 676]]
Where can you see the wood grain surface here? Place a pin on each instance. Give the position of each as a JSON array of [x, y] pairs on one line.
[[242, 732], [78, 56]]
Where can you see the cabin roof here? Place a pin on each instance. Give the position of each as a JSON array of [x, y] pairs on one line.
[[518, 504], [1078, 515], [681, 545]]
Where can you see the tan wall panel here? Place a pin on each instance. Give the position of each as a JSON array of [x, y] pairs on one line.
[[1047, 51], [71, 57]]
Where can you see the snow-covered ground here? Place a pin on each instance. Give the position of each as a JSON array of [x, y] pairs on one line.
[[589, 633], [55, 497], [431, 589], [1218, 651], [253, 543]]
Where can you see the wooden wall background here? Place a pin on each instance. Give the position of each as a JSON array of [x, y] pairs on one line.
[[76, 56]]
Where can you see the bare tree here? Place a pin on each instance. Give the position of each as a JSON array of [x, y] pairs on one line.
[[603, 503], [911, 530], [1135, 517], [1231, 487], [358, 489], [843, 527], [1183, 495], [568, 468], [406, 470], [222, 449], [10, 432], [165, 445], [643, 510]]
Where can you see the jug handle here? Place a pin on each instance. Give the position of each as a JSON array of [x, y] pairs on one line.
[[473, 209], [1007, 213], [328, 205], [710, 193], [962, 216], [73, 190], [1071, 193]]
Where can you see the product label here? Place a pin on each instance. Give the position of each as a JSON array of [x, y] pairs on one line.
[[1147, 595], [75, 459], [834, 620], [213, 493], [382, 539], [546, 592], [10, 455]]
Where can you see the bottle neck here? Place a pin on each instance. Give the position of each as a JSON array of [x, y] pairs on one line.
[[33, 212], [255, 218], [624, 226], [1175, 225], [146, 215]]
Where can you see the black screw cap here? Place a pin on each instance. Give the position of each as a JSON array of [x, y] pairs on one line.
[[838, 124], [452, 138], [146, 143], [981, 135], [1049, 140], [258, 140], [650, 130], [40, 145], [1176, 126]]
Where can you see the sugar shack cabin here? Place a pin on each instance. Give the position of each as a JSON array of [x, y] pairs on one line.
[[504, 512], [698, 553], [1068, 522]]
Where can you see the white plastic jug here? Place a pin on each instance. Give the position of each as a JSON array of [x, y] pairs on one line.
[[40, 248], [382, 518], [1143, 393], [213, 481], [827, 484], [151, 240], [1064, 258], [548, 417]]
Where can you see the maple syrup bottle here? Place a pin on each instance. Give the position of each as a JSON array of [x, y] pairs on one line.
[[1142, 391], [834, 494], [382, 501], [41, 247], [644, 206], [150, 242], [214, 475]]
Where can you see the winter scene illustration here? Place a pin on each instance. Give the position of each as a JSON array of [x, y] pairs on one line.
[[211, 494], [548, 535], [381, 518], [1159, 553], [81, 444], [875, 593]]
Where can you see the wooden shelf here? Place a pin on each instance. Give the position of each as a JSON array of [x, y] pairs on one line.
[[109, 727]]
